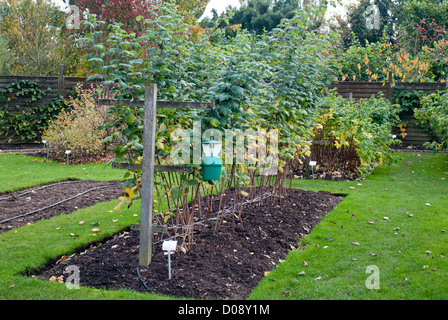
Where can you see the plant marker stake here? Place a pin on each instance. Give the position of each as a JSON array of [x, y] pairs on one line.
[[45, 146], [67, 152], [312, 164], [169, 246]]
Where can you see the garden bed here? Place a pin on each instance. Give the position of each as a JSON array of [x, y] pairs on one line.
[[226, 264], [48, 196]]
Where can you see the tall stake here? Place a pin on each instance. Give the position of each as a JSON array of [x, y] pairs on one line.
[[147, 195]]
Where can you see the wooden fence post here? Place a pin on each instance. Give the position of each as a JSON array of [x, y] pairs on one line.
[[389, 85], [149, 133], [61, 81]]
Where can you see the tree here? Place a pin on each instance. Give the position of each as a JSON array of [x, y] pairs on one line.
[[191, 10], [32, 31], [5, 57], [119, 11], [255, 15], [126, 11], [368, 21], [420, 23]]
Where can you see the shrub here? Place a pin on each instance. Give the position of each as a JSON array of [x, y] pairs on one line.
[[434, 113], [408, 100], [359, 133], [77, 129]]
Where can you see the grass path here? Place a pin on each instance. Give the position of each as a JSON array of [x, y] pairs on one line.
[[339, 265], [397, 245], [19, 171]]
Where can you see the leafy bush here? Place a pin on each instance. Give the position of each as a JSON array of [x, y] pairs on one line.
[[77, 129], [359, 133], [268, 82], [434, 113], [408, 100]]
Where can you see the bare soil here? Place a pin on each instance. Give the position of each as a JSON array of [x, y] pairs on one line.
[[223, 264]]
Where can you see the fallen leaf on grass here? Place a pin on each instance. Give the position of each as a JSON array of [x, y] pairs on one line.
[[81, 222], [356, 243], [428, 204], [96, 230]]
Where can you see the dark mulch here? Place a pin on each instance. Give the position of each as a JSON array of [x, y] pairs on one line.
[[13, 204], [226, 264]]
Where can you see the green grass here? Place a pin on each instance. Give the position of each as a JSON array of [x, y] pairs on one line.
[[19, 171], [390, 191]]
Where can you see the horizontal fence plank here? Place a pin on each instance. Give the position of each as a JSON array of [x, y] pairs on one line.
[[186, 105], [157, 168], [348, 83], [75, 79], [374, 85], [370, 90], [17, 78], [362, 89], [160, 104]]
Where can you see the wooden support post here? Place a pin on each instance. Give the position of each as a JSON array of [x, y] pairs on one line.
[[61, 81], [307, 166], [389, 85], [147, 193], [148, 167]]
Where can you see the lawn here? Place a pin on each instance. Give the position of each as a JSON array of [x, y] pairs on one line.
[[19, 171], [411, 194], [398, 214]]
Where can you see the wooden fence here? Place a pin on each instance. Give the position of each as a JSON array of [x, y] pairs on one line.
[[364, 89], [54, 87], [62, 85], [59, 86]]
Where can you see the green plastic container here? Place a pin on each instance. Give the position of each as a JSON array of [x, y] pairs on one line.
[[211, 168]]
